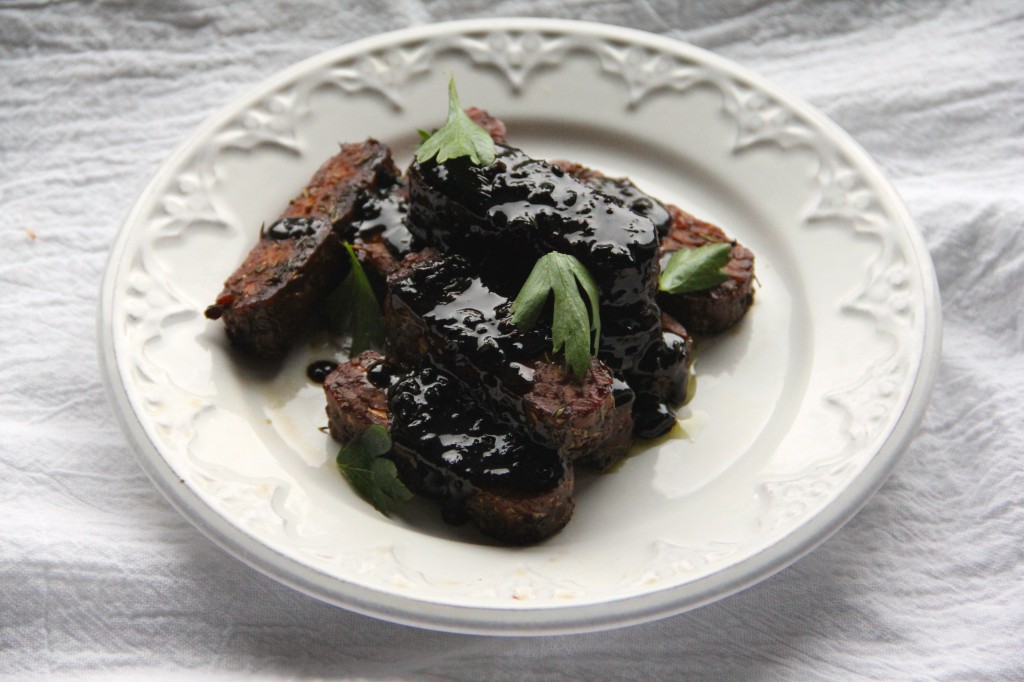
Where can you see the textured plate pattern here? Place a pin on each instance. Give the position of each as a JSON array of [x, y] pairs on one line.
[[847, 305]]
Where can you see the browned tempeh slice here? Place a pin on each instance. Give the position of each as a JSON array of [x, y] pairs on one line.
[[703, 312], [299, 260], [353, 403], [713, 310], [495, 127], [279, 286], [341, 185], [511, 516], [438, 309]]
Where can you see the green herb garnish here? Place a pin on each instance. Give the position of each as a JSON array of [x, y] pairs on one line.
[[459, 136], [695, 269], [562, 275], [353, 308], [372, 475]]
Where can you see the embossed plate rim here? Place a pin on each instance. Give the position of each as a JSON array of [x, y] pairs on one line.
[[548, 620]]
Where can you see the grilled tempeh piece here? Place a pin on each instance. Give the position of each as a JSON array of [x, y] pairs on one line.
[[438, 309], [300, 259], [447, 448], [622, 190], [716, 309], [353, 403], [703, 312], [519, 208]]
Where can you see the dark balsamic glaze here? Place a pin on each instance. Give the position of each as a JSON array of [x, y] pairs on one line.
[[472, 317], [480, 343], [462, 446], [621, 392], [381, 375], [524, 208], [293, 228], [518, 208], [652, 417], [318, 370], [636, 200], [386, 214]]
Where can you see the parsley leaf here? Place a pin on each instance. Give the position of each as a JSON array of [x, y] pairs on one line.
[[371, 474], [563, 276], [353, 308], [459, 136], [691, 270]]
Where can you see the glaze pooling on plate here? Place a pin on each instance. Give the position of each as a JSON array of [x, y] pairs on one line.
[[848, 308]]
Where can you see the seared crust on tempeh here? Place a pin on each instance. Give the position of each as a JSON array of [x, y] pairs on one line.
[[283, 282], [338, 189], [508, 516], [353, 403], [716, 309], [279, 288]]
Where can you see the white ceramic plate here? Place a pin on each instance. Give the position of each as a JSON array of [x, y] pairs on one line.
[[804, 408]]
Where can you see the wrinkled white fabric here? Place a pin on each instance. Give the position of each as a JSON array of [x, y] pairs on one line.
[[100, 577]]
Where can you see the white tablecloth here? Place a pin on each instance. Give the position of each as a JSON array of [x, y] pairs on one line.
[[100, 577]]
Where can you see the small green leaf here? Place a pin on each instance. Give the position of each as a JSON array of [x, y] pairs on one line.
[[424, 135], [385, 477], [459, 136], [532, 296], [375, 441], [353, 308], [572, 330], [590, 288], [373, 476], [691, 270]]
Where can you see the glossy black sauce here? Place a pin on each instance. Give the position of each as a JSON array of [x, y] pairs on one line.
[[386, 214], [519, 208], [524, 208], [472, 332], [652, 418], [635, 199], [318, 370], [473, 319], [622, 393], [463, 447], [292, 228], [381, 375]]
